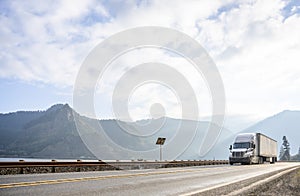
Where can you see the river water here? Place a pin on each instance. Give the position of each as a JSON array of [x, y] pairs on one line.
[[39, 160]]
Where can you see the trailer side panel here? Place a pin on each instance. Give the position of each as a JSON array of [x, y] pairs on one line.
[[267, 146]]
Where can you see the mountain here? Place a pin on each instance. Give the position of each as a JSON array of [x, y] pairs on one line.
[[12, 124], [48, 134], [286, 123], [60, 132]]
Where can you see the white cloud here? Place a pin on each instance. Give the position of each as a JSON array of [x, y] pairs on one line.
[[45, 42], [255, 43], [143, 94], [257, 57]]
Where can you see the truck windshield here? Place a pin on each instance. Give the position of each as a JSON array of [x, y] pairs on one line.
[[241, 145]]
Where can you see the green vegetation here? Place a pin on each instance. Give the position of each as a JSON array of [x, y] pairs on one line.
[[296, 157]]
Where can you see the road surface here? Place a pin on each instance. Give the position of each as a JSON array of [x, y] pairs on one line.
[[169, 181]]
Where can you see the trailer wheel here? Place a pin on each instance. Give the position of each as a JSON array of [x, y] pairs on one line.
[[272, 160]]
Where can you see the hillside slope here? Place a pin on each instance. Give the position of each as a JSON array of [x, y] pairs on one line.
[[54, 134], [286, 123]]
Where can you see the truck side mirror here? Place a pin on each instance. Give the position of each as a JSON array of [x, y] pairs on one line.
[[230, 147], [253, 145]]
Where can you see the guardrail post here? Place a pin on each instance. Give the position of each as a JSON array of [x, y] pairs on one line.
[[53, 167], [21, 170], [78, 169]]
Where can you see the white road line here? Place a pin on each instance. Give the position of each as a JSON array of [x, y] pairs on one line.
[[236, 181], [261, 182]]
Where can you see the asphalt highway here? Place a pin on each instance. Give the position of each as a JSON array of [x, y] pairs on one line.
[[169, 181]]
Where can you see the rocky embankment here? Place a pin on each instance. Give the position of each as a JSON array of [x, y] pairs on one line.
[[288, 184]]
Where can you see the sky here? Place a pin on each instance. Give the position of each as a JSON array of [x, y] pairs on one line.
[[255, 45]]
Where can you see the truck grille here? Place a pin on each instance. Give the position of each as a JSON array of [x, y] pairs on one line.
[[238, 154]]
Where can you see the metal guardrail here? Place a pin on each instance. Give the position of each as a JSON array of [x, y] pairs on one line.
[[54, 166]]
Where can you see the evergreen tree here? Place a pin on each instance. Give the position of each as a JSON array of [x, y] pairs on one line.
[[285, 153]]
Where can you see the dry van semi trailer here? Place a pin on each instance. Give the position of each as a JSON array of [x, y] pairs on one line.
[[249, 148]]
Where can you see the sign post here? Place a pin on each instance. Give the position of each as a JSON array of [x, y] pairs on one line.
[[160, 141]]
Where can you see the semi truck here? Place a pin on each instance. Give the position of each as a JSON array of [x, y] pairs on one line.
[[253, 148]]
